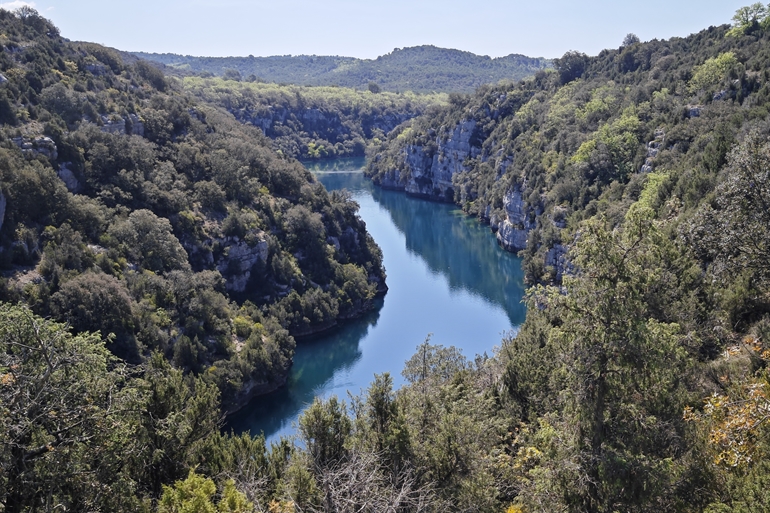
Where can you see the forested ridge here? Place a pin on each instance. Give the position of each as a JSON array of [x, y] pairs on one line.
[[638, 178], [314, 122], [420, 69]]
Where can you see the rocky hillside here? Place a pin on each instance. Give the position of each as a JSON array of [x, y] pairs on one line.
[[130, 208], [421, 69], [536, 157], [314, 122]]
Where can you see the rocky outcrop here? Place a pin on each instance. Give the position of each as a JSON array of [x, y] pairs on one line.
[[556, 257], [252, 389], [131, 125], [68, 177], [234, 257], [134, 125], [427, 170], [97, 68], [653, 148], [113, 125], [40, 145], [239, 258], [434, 180], [513, 231]]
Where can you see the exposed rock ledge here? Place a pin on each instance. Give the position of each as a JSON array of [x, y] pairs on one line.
[[238, 259], [512, 232], [252, 389]]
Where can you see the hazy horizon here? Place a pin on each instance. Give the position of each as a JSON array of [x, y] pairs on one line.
[[345, 28]]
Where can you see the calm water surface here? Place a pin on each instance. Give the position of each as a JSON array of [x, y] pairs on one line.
[[447, 277]]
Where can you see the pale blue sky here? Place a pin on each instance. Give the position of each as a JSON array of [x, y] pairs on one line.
[[366, 29]]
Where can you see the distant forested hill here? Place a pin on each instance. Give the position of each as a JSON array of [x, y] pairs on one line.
[[419, 69]]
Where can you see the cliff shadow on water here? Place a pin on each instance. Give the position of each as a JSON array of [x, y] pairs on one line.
[[313, 370], [457, 247], [451, 243]]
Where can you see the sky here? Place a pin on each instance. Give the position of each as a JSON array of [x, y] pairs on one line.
[[367, 29]]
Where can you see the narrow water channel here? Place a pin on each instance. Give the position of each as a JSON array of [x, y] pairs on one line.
[[447, 279]]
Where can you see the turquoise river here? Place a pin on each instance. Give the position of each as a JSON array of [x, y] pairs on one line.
[[448, 279]]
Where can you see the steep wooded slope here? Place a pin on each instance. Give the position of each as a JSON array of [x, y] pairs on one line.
[[535, 157], [133, 209]]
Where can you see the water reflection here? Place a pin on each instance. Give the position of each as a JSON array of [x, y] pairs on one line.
[[458, 248], [316, 363], [447, 276]]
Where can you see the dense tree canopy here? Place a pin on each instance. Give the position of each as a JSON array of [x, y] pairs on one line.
[[129, 323]]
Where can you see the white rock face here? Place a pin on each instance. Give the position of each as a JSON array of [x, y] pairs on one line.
[[113, 126], [68, 177], [132, 125], [557, 258], [432, 178], [392, 180], [137, 126], [40, 145], [512, 232], [510, 238], [238, 260]]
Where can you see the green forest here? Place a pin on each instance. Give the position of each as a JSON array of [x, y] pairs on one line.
[[421, 69], [159, 257], [313, 123]]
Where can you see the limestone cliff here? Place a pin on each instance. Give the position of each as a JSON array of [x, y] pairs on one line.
[[234, 257], [293, 127], [427, 170], [445, 158], [239, 258], [513, 230]]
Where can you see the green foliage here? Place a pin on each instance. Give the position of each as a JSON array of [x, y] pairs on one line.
[[152, 74], [98, 302], [61, 395], [314, 122], [587, 408], [571, 66], [748, 18], [195, 495], [712, 72], [421, 69], [176, 215], [325, 427]]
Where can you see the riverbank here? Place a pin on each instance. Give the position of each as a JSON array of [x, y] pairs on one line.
[[446, 277]]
